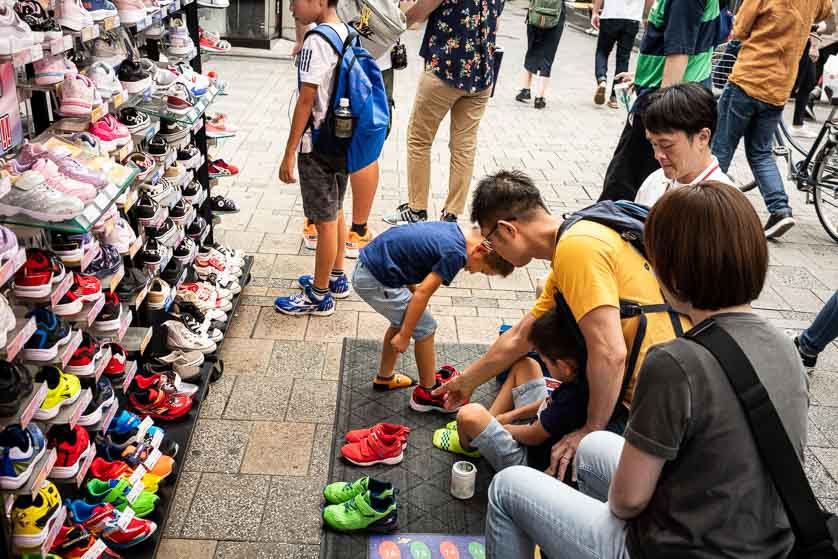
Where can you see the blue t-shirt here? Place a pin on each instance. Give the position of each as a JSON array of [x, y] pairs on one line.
[[405, 255]]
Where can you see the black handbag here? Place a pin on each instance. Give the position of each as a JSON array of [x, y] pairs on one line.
[[815, 530]]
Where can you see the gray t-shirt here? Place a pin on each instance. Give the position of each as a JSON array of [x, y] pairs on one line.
[[714, 497]]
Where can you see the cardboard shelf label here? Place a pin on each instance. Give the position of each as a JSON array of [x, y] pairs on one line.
[[125, 518], [98, 112], [146, 340], [72, 346], [156, 439], [138, 300], [14, 345], [61, 290], [88, 256], [130, 371], [109, 415], [82, 404], [94, 311], [54, 530], [34, 404], [46, 468], [117, 277], [102, 364], [137, 476], [12, 265], [146, 424], [110, 23], [123, 326], [135, 246], [153, 457], [85, 467], [135, 492], [89, 33], [96, 550]]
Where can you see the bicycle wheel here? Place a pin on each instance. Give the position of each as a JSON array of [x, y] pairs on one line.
[[825, 189]]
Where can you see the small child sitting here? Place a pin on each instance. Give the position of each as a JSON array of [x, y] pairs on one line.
[[526, 394], [426, 255]]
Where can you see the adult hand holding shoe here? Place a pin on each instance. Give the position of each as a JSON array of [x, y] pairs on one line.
[[456, 392]]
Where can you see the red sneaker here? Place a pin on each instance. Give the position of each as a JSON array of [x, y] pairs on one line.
[[386, 429], [157, 404], [72, 445], [423, 401], [103, 519], [106, 471], [82, 362], [34, 279], [220, 168], [116, 366], [88, 288], [74, 541], [446, 373], [70, 304], [374, 449]]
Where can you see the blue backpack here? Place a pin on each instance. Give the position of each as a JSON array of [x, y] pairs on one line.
[[357, 78]]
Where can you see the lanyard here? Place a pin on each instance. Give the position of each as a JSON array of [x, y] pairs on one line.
[[699, 179]]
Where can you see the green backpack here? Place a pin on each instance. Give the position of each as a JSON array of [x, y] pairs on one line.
[[545, 14]]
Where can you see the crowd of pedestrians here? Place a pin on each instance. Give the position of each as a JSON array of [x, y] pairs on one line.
[[606, 464]]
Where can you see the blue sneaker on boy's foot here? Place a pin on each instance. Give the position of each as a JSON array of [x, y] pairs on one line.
[[338, 287], [305, 303]]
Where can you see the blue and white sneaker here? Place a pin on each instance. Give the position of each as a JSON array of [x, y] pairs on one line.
[[305, 303], [20, 450], [339, 288]]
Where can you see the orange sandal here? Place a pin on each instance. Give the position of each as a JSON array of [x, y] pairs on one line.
[[395, 382]]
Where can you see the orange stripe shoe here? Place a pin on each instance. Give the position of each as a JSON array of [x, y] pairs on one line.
[[395, 382]]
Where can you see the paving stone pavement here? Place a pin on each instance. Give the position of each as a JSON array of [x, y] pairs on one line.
[[259, 457]]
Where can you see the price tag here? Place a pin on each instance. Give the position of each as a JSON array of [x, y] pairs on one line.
[[141, 296], [89, 33], [91, 213], [46, 468], [94, 312], [146, 339], [81, 405], [33, 405], [12, 265], [16, 344], [71, 346], [98, 112], [109, 415], [117, 277], [88, 256], [123, 327], [53, 532], [124, 151], [131, 370], [134, 494], [117, 101], [62, 288], [155, 443], [36, 53], [137, 475], [96, 550], [197, 126], [135, 246], [125, 518], [102, 364], [110, 22], [143, 428], [91, 454], [153, 458]]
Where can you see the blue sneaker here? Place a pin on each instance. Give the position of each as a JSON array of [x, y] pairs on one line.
[[20, 450], [339, 288], [305, 303]]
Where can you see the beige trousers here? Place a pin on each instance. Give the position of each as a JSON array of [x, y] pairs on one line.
[[434, 99]]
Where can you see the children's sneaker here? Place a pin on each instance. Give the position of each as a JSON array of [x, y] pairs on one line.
[[220, 168], [49, 70], [73, 446], [104, 519], [81, 363], [365, 512], [386, 429], [342, 491], [446, 373], [38, 19], [403, 214], [395, 382], [20, 450], [33, 516], [15, 34], [374, 449], [99, 9], [424, 401], [338, 287], [305, 303], [310, 235], [355, 242], [72, 15], [103, 397], [78, 94], [131, 11], [449, 440], [62, 390]]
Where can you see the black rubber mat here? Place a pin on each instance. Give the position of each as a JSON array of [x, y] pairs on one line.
[[425, 502]]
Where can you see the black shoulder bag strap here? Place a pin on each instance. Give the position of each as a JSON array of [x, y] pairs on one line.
[[778, 455]]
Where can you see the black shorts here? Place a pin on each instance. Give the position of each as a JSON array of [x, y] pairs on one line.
[[323, 185]]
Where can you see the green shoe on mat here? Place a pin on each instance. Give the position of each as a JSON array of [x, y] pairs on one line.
[[449, 440], [342, 491], [116, 493], [452, 425], [365, 512]]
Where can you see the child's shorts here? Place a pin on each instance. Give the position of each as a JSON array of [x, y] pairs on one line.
[[323, 185], [496, 443], [389, 302]]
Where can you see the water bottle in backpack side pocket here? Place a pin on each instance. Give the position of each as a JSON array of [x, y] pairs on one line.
[[343, 119]]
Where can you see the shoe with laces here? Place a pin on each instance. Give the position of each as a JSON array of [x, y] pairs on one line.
[[121, 237], [50, 332], [60, 183], [32, 196], [338, 287], [404, 214], [103, 397], [135, 121], [104, 78], [180, 337], [219, 127], [20, 450], [447, 216], [62, 390], [110, 316], [106, 263], [310, 235], [131, 11], [38, 19], [115, 368], [809, 361], [107, 522], [15, 34], [305, 303], [100, 9], [212, 42], [163, 191], [179, 99], [72, 445], [197, 229], [112, 134], [131, 74], [220, 168], [15, 386], [109, 49], [189, 156], [72, 15], [355, 242]]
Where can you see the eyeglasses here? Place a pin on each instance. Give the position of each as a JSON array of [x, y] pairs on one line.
[[497, 224]]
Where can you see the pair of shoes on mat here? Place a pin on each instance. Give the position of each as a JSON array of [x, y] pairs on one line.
[[364, 504], [383, 443], [448, 439]]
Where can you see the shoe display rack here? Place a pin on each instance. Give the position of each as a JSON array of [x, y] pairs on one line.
[[114, 296]]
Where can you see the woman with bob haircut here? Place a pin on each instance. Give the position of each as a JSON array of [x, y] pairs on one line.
[[686, 479]]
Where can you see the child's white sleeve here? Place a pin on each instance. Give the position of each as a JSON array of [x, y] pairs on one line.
[[317, 58]]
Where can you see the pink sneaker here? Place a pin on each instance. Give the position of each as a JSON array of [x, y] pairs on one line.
[[77, 96], [72, 15], [49, 70], [131, 11], [61, 183], [15, 35], [111, 133], [70, 69]]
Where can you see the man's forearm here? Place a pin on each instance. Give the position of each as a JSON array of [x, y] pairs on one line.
[[605, 378], [674, 68], [506, 350]]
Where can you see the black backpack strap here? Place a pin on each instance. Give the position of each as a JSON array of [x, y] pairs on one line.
[[776, 450]]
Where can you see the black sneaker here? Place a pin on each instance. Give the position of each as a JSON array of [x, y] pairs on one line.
[[222, 205], [15, 387], [172, 273], [185, 250], [38, 19], [189, 156], [180, 210], [103, 398], [523, 96], [172, 132], [132, 283], [182, 308], [404, 214], [778, 223], [164, 233], [157, 147], [132, 76], [449, 217], [196, 228], [809, 361], [105, 263], [152, 253], [110, 315], [135, 121], [191, 189], [539, 103], [146, 207]]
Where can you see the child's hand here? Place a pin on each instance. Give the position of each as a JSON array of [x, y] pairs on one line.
[[400, 342], [287, 167]]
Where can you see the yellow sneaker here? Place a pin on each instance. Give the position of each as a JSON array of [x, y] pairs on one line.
[[33, 516], [62, 390], [310, 235], [355, 242]]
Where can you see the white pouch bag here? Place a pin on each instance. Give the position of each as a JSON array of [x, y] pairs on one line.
[[380, 23]]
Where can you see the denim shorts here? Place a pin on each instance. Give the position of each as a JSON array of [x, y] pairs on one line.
[[495, 443], [389, 302]]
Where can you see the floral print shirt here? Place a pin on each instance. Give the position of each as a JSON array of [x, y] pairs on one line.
[[459, 43]]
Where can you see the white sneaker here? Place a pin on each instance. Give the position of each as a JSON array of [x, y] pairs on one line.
[[180, 337], [7, 320]]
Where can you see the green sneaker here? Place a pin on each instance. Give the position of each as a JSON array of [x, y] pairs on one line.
[[342, 491], [116, 493], [364, 512], [449, 440], [452, 425]]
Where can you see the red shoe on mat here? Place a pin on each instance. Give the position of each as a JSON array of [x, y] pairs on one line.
[[385, 429], [374, 449]]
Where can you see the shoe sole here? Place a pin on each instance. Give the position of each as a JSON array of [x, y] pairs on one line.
[[312, 313], [415, 406], [351, 253], [68, 472], [43, 415], [81, 370], [599, 96], [388, 461], [96, 416], [779, 228], [9, 211], [13, 483]]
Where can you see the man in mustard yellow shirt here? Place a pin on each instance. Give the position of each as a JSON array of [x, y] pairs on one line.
[[594, 268]]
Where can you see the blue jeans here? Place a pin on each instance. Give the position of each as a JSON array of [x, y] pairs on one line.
[[742, 115], [528, 507], [823, 330]]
